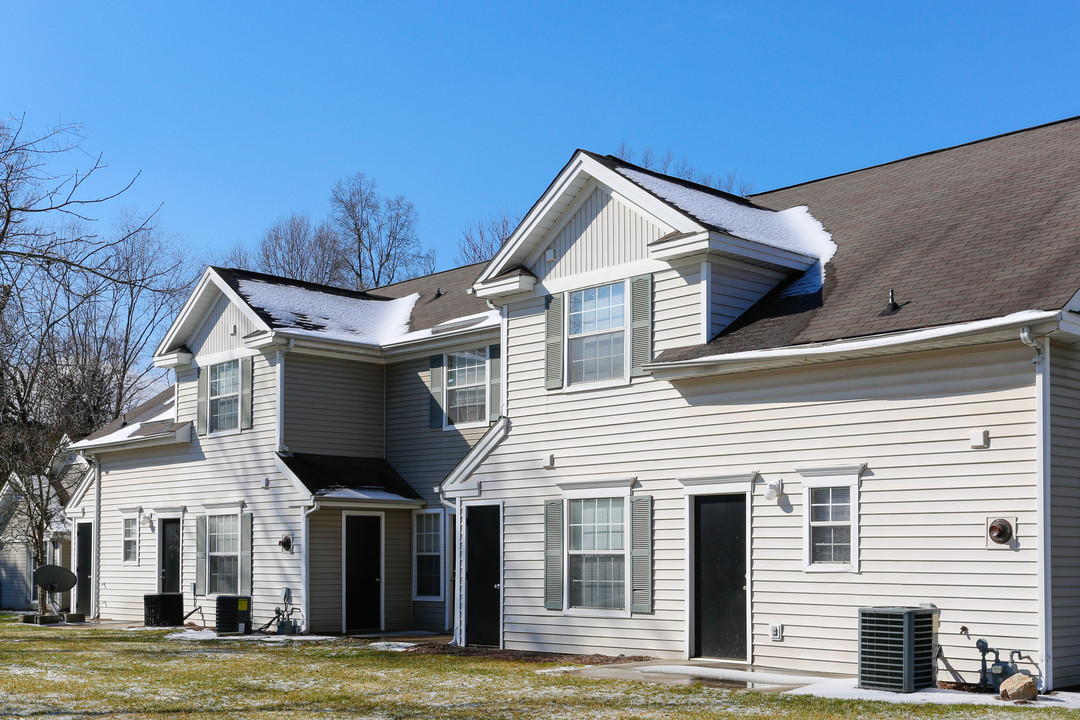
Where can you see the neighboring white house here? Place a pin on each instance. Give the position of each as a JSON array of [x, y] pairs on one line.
[[732, 423], [300, 448]]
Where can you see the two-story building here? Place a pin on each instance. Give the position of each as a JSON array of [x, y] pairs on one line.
[[300, 447]]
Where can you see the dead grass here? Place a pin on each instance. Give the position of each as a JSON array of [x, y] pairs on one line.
[[80, 673]]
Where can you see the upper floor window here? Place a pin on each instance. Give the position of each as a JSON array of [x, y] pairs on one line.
[[466, 387], [224, 396], [596, 338]]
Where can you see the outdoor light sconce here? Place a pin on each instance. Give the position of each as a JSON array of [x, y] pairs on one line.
[[774, 489], [147, 520]]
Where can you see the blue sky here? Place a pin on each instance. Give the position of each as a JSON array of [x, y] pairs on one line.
[[238, 113]]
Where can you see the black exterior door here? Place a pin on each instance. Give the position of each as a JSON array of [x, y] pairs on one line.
[[720, 576], [170, 554], [84, 567], [483, 575], [363, 573]]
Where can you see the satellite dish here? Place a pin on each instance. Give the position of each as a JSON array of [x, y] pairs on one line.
[[54, 578]]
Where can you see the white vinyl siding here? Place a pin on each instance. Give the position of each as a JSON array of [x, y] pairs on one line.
[[734, 287], [222, 329], [332, 406], [909, 418], [215, 469]]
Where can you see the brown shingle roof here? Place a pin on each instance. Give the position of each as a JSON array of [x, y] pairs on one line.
[[453, 302], [975, 231], [144, 411]]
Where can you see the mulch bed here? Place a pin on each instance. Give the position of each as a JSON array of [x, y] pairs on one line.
[[524, 655]]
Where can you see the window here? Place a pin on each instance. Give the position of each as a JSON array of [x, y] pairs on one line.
[[831, 518], [131, 539], [466, 387], [596, 337], [830, 525], [428, 544], [597, 550], [223, 553], [224, 396]]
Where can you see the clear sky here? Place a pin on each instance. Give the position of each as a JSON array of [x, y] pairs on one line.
[[237, 113]]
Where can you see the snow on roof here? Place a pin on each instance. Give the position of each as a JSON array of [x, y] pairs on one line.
[[305, 311], [362, 494], [163, 414], [479, 321], [794, 229]]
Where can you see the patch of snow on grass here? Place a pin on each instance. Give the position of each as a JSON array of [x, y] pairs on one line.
[[391, 646]]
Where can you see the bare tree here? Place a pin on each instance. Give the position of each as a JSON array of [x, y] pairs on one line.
[[379, 234], [295, 248], [482, 238], [681, 167]]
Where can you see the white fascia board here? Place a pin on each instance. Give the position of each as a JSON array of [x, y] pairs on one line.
[[172, 361], [183, 323], [487, 335], [177, 437], [479, 452], [300, 487], [704, 244], [80, 490], [512, 285], [581, 164], [848, 348]]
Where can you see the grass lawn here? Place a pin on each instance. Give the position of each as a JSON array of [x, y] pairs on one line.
[[80, 673]]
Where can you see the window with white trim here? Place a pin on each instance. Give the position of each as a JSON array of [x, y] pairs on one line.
[[831, 517], [596, 546], [596, 337], [223, 554], [427, 566], [224, 396], [131, 539], [830, 525], [466, 387]]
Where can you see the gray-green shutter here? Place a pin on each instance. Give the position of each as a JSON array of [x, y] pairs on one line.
[[204, 391], [200, 555], [494, 383], [641, 292], [245, 393], [641, 554], [553, 554], [553, 342], [245, 554], [435, 413]]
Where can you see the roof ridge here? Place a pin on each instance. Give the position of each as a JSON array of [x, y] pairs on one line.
[[282, 280], [999, 136], [430, 275]]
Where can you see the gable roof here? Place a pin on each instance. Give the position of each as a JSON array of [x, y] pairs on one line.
[[971, 232]]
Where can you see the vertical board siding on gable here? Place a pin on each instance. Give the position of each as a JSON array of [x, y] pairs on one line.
[[1065, 513], [333, 407], [923, 505], [215, 334], [211, 469], [735, 287], [603, 233]]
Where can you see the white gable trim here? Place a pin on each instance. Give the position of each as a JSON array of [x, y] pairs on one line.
[[464, 469], [187, 323], [574, 179]]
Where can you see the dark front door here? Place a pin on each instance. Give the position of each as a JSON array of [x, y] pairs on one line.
[[170, 554], [720, 576], [483, 575], [84, 567], [363, 573]]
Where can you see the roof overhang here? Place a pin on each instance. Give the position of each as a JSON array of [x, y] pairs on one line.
[[505, 285], [178, 436], [978, 332], [679, 246]]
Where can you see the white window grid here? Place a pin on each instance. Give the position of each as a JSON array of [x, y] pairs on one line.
[[830, 525], [131, 540], [466, 387], [224, 396], [596, 546], [427, 579], [596, 334], [223, 554]]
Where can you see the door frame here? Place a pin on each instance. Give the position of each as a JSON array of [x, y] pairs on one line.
[[736, 484], [168, 514], [74, 598], [382, 564], [464, 563]]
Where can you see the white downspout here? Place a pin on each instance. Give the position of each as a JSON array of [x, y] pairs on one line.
[[1042, 462], [305, 560], [95, 564]]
